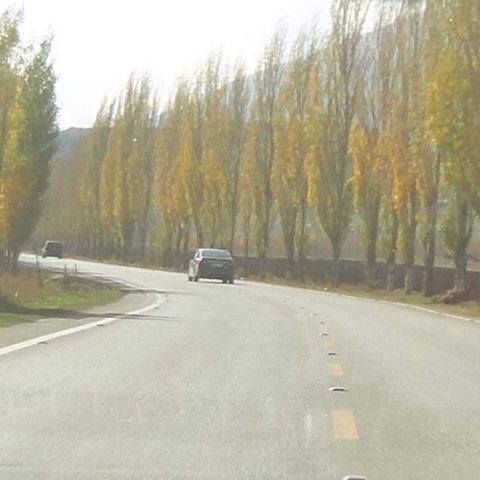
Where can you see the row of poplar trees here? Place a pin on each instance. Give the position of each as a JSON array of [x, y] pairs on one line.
[[28, 131], [377, 119]]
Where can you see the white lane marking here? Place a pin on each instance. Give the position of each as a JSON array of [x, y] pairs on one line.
[[458, 317], [69, 331], [398, 304], [430, 310], [31, 259], [308, 427]]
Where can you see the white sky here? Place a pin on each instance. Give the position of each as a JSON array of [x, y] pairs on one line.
[[98, 43]]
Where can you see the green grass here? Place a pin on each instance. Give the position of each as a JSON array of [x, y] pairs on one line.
[[467, 308], [23, 299]]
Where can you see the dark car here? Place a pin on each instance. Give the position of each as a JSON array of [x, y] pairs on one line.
[[211, 263], [52, 248]]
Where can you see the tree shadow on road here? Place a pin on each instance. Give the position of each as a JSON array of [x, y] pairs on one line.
[[36, 313], [148, 291]]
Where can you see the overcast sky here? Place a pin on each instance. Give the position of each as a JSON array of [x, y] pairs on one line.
[[98, 43]]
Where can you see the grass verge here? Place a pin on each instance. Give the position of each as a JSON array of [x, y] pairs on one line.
[[23, 299], [467, 308]]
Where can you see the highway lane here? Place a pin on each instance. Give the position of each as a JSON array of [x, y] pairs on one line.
[[234, 382]]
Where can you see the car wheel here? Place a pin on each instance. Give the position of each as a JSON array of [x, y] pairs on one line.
[[190, 278], [232, 281], [196, 278]]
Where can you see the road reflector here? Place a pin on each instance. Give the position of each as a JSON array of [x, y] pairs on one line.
[[338, 389]]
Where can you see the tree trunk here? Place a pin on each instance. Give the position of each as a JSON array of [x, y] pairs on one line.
[[464, 235], [143, 228], [231, 241], [409, 276], [262, 250], [13, 261], [178, 246], [430, 247], [38, 269], [290, 251], [186, 238], [392, 255], [213, 232], [126, 241], [371, 262], [246, 248], [337, 249], [372, 221], [100, 246], [186, 245], [233, 218], [428, 275], [410, 243], [3, 260], [118, 249], [143, 243], [199, 231], [301, 254], [124, 252], [265, 232], [461, 274], [110, 248], [288, 229]]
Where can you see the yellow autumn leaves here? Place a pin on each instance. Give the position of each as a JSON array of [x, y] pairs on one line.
[[376, 124], [27, 133]]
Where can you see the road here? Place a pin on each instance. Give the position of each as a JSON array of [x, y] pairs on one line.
[[213, 381]]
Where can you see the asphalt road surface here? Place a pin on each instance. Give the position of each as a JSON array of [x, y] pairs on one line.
[[212, 381]]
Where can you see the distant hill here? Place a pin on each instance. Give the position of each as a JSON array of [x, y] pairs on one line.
[[56, 220], [62, 177], [67, 140]]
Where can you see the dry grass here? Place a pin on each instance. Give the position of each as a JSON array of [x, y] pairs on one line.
[[467, 308], [24, 299]]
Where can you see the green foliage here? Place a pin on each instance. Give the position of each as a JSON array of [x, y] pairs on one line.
[[380, 121], [456, 225], [28, 132]]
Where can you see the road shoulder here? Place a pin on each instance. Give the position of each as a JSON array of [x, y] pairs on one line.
[[27, 331]]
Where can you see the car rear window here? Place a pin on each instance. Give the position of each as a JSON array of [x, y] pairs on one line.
[[208, 253]]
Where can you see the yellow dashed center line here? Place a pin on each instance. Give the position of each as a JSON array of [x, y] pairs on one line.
[[328, 343], [335, 369], [344, 426]]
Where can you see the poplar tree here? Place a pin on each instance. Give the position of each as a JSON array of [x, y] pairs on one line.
[[331, 168], [28, 151], [237, 113], [268, 80], [294, 141]]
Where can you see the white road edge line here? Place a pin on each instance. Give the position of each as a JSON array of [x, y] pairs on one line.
[[387, 302], [69, 331], [405, 305]]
